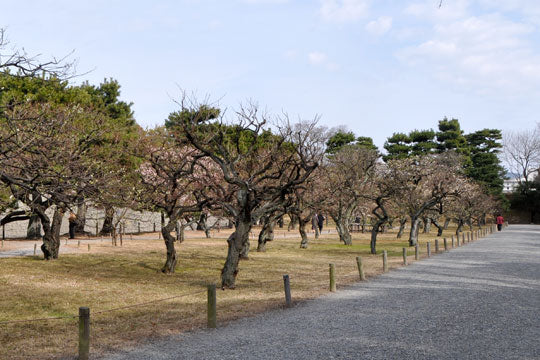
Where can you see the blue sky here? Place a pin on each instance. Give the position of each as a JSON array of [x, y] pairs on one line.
[[374, 66]]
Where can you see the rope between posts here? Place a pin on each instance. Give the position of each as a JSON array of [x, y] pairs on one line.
[[148, 302], [103, 311]]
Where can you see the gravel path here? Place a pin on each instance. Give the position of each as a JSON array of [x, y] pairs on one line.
[[26, 248], [480, 301]]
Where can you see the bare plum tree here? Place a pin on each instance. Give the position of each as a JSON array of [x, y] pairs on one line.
[[259, 168]]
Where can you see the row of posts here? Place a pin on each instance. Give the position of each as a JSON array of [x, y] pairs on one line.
[[84, 312]]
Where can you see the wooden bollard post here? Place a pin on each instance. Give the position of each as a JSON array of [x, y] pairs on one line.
[[462, 238], [416, 252], [469, 237], [84, 333], [121, 238], [405, 256], [457, 241], [385, 261], [332, 277], [79, 243], [35, 248], [428, 250], [97, 228], [287, 287], [211, 306], [154, 227], [445, 244], [436, 246], [360, 268], [453, 242], [88, 247]]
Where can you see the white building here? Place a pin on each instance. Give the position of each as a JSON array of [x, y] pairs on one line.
[[512, 184]]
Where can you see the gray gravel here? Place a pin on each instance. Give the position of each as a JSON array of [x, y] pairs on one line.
[[480, 301], [27, 249]]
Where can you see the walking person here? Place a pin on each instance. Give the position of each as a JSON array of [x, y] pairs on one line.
[[72, 223], [320, 222], [500, 222]]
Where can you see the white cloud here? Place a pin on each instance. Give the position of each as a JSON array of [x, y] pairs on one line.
[[380, 26], [485, 54], [342, 11], [317, 58]]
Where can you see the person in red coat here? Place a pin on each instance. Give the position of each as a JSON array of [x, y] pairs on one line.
[[500, 222]]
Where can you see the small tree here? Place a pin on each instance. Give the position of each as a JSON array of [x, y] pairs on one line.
[[347, 176], [175, 179], [422, 183], [48, 158]]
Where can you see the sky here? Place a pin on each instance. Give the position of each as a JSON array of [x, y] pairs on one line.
[[374, 66]]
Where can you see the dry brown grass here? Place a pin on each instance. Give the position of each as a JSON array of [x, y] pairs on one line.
[[110, 277]]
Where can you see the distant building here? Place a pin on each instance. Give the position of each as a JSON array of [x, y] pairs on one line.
[[509, 186], [512, 184]]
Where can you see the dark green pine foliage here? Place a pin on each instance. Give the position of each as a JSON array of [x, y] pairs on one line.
[[338, 140], [486, 169], [451, 137], [106, 96], [341, 139], [422, 142], [479, 150], [397, 146]]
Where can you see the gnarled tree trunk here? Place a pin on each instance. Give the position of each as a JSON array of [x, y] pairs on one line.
[[459, 226], [108, 226], [413, 235], [342, 227], [438, 226], [80, 222], [33, 230], [266, 234], [446, 223], [292, 223], [202, 224], [402, 223], [236, 243], [303, 234], [170, 263], [427, 225], [51, 237], [374, 232]]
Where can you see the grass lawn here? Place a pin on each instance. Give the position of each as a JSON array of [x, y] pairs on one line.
[[107, 278]]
